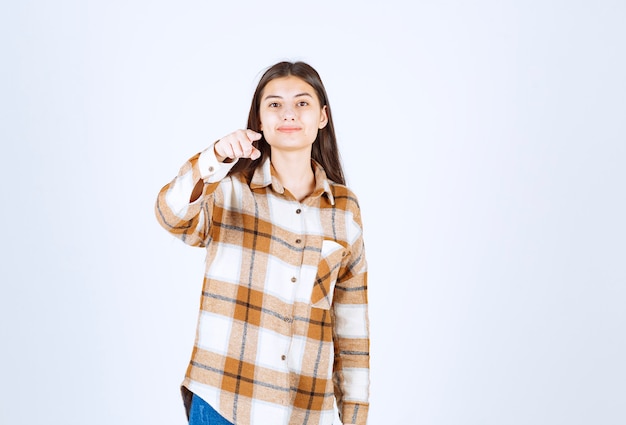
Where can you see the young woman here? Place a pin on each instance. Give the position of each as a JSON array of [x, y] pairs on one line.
[[283, 326]]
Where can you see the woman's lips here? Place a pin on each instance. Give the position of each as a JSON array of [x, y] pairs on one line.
[[289, 129]]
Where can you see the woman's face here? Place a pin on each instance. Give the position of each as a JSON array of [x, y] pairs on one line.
[[291, 114]]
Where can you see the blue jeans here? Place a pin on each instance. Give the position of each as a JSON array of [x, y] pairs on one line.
[[203, 414]]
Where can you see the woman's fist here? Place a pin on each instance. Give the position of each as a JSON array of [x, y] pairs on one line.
[[237, 144]]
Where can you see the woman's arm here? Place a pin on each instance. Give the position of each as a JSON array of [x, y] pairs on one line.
[[351, 334], [184, 205]]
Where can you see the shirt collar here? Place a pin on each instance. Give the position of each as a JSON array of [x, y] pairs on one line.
[[265, 175]]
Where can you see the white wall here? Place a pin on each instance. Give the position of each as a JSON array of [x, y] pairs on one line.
[[486, 141]]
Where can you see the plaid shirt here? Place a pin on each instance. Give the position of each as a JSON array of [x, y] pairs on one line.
[[283, 323]]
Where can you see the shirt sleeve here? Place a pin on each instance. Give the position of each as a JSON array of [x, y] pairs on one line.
[[189, 221], [351, 334]]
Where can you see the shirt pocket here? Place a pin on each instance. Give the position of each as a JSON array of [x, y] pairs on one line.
[[327, 272]]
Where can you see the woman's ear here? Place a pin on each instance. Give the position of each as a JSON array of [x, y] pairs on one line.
[[323, 117]]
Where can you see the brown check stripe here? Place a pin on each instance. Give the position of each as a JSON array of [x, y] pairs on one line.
[[283, 326]]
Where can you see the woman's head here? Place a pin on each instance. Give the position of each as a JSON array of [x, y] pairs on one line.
[[324, 149]]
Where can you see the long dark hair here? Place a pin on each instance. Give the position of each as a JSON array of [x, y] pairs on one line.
[[324, 150]]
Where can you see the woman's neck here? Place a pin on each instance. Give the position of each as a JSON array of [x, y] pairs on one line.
[[294, 172]]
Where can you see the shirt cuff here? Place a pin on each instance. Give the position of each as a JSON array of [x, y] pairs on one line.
[[354, 413], [211, 170]]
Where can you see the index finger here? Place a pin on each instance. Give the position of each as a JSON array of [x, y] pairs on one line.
[[253, 135]]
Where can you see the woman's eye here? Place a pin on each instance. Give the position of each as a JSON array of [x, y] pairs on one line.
[[303, 103], [273, 105]]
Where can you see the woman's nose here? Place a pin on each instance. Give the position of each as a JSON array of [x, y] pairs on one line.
[[288, 114]]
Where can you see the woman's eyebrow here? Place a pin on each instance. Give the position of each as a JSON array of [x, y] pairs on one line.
[[275, 96]]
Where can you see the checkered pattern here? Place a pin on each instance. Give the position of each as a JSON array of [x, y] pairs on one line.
[[283, 323]]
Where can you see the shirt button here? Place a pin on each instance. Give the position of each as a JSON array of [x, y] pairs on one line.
[[283, 357], [298, 211], [288, 319], [294, 280], [211, 169], [298, 240]]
